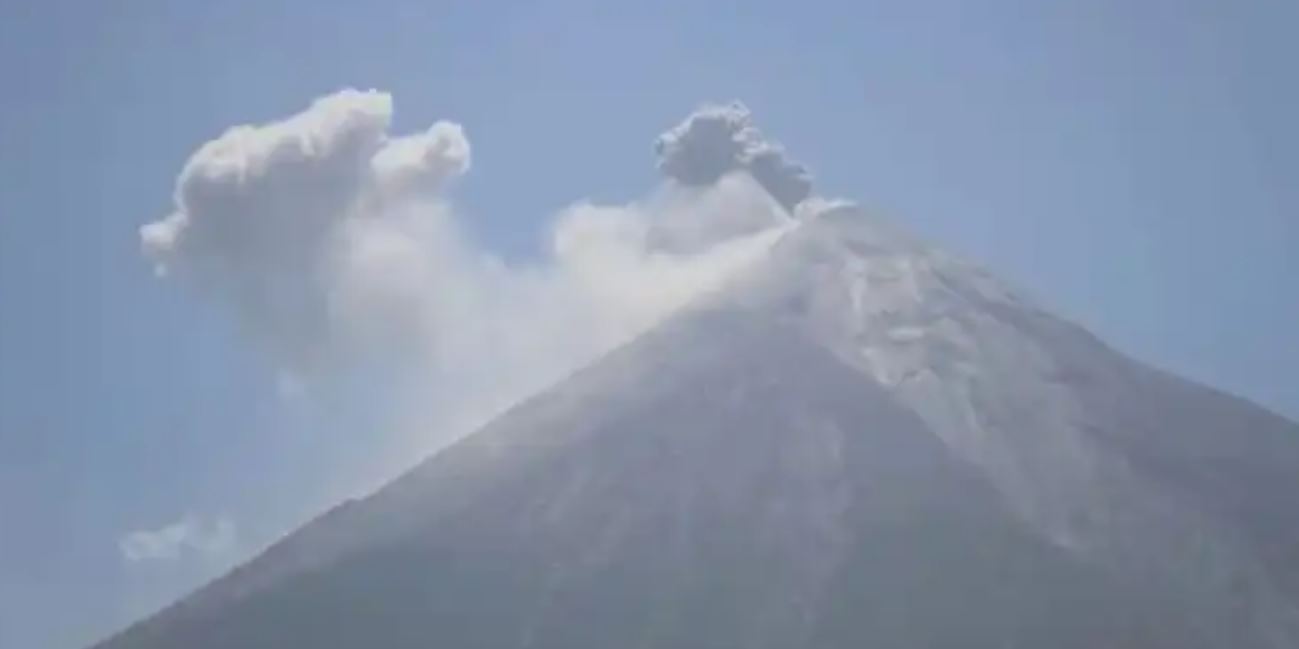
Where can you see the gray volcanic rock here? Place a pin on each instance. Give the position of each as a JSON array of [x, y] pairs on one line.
[[859, 443]]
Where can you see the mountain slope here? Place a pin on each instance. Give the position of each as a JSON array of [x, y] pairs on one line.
[[861, 442], [1182, 486]]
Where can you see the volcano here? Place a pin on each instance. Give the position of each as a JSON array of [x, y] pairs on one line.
[[859, 441]]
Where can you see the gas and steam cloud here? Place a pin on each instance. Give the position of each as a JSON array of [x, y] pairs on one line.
[[332, 242]]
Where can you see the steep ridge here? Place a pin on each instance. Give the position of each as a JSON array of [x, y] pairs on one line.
[[1182, 485]]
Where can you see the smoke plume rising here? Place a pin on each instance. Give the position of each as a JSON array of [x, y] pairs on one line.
[[334, 245]]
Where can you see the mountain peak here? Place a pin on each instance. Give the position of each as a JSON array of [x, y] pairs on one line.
[[860, 440]]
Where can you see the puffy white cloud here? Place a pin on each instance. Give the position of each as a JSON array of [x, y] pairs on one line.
[[255, 192], [263, 214], [423, 162], [189, 535], [718, 139]]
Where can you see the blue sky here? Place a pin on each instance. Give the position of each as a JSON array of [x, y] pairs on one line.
[[1130, 164]]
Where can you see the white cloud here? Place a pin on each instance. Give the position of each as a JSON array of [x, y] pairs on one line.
[[189, 535], [262, 212], [422, 162], [332, 242]]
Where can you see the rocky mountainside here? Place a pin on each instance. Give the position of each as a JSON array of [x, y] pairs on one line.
[[860, 442]]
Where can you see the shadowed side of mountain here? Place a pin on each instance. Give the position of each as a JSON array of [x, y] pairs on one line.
[[722, 482]]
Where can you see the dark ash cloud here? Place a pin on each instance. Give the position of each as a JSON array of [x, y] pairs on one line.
[[718, 139]]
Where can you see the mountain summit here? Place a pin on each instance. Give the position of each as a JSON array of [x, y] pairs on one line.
[[858, 442]]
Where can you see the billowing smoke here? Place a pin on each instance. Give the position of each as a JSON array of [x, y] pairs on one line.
[[334, 244], [719, 139]]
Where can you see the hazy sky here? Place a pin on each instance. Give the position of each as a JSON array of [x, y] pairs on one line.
[[1130, 164]]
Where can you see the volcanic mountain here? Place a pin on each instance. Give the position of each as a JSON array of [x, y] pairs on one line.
[[858, 442]]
